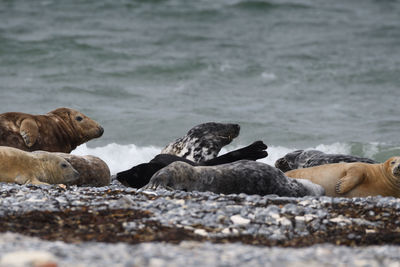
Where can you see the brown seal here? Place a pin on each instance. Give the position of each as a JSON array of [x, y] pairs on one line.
[[355, 179], [93, 171], [18, 166], [60, 130]]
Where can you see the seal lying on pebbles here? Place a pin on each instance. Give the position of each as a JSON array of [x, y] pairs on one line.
[[355, 179], [93, 171], [140, 175], [309, 158], [203, 142], [60, 130], [18, 166], [242, 176]]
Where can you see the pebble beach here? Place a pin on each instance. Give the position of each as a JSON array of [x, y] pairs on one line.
[[120, 226]]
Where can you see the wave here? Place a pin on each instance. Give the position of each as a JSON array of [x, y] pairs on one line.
[[122, 157], [267, 5]]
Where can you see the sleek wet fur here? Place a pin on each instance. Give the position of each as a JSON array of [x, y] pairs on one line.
[[60, 130], [203, 142], [309, 158], [140, 175], [242, 176]]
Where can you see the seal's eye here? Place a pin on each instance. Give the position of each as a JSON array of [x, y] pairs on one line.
[[64, 165], [78, 118]]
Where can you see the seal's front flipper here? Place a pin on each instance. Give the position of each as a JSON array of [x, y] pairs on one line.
[[20, 179], [29, 131], [37, 182], [348, 182]]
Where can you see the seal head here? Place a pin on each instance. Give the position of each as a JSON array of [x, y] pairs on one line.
[[203, 142]]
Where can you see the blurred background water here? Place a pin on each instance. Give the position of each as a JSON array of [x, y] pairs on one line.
[[294, 73]]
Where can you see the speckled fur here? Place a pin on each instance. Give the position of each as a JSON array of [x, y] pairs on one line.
[[242, 176], [309, 158], [203, 142]]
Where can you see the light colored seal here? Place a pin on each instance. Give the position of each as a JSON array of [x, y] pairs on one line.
[[18, 166], [203, 142], [355, 179], [309, 158], [60, 130], [242, 176]]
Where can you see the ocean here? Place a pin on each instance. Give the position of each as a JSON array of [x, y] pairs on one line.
[[296, 74]]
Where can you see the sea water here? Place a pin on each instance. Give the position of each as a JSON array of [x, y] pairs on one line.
[[296, 74]]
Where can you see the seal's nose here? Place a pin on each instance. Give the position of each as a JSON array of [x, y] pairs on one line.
[[101, 131]]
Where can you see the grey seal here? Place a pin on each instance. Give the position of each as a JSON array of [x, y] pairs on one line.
[[203, 142], [242, 176], [309, 158], [140, 175]]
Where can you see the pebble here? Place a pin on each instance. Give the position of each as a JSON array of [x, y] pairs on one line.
[[270, 217], [237, 219]]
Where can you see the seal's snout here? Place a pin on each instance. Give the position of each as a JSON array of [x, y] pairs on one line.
[[75, 176], [100, 131], [396, 170]]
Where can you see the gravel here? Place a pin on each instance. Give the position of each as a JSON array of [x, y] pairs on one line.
[[120, 226]]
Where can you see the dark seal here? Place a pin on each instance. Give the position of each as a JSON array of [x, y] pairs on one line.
[[140, 175], [242, 176], [203, 142], [309, 158]]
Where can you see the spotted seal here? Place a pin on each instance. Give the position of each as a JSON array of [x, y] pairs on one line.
[[308, 158], [242, 176], [60, 130], [22, 167], [140, 175], [355, 179], [203, 142]]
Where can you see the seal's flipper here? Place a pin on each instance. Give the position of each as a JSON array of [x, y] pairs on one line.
[[348, 182], [29, 131], [37, 182], [20, 179], [256, 150]]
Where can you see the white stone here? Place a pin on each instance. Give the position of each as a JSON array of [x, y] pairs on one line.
[[27, 258], [237, 219], [201, 232]]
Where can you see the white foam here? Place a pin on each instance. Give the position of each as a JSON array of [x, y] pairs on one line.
[[122, 157], [119, 157]]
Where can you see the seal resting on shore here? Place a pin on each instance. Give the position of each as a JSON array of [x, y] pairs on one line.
[[355, 179], [309, 158], [203, 142], [241, 176], [140, 175], [60, 130], [18, 166], [93, 171]]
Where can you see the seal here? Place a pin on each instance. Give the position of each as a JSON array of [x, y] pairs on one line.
[[140, 175], [60, 130], [93, 170], [203, 142], [309, 158], [18, 166], [355, 179], [241, 176]]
